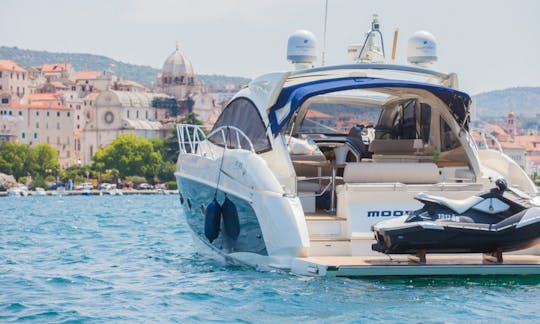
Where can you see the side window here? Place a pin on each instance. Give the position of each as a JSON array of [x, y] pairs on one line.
[[449, 141], [242, 114], [425, 121], [409, 120]]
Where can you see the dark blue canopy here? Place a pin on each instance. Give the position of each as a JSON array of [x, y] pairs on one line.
[[457, 101]]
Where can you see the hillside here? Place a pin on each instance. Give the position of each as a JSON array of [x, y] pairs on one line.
[[140, 73], [520, 100]]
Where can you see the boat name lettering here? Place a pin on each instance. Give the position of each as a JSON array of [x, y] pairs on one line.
[[387, 213], [240, 166], [451, 217]]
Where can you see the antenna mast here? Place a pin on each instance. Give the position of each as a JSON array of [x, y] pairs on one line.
[[324, 32]]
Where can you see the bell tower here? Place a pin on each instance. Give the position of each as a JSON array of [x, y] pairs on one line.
[[511, 129]]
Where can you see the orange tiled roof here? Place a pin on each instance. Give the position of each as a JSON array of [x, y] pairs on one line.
[[87, 75], [43, 97], [535, 159], [59, 67], [317, 114], [497, 131], [39, 105], [530, 142], [6, 65], [511, 145], [476, 136]]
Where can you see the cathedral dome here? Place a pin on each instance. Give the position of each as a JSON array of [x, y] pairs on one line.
[[177, 64]]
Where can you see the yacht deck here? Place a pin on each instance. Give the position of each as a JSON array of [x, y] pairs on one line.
[[404, 265]]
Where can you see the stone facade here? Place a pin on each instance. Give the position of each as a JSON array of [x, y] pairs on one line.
[[14, 80], [40, 122], [109, 114]]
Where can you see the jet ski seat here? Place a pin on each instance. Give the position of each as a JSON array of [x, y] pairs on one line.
[[459, 206]]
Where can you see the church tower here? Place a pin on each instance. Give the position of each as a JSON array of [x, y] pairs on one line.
[[178, 79], [511, 126]]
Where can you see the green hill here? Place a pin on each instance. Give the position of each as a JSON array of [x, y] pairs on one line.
[[81, 62], [520, 100]]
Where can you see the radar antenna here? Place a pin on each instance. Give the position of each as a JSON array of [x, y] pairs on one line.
[[371, 51]]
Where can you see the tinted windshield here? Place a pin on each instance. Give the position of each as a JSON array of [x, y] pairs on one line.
[[332, 118]]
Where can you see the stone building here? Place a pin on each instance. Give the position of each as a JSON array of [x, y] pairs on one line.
[[44, 119], [111, 113], [14, 79], [57, 72]]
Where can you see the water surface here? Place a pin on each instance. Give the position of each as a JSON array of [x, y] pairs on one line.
[[92, 259]]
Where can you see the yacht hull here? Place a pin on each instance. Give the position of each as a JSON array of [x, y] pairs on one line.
[[195, 197]]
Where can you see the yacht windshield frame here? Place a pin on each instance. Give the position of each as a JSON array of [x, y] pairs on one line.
[[291, 98]]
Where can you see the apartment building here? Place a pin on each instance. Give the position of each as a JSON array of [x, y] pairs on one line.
[[13, 79], [39, 121]]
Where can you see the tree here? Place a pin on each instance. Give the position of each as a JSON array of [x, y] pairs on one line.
[[21, 160], [192, 119], [170, 147], [166, 171], [14, 159], [45, 159], [131, 156]]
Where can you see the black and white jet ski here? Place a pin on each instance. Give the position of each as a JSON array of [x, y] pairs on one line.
[[496, 221]]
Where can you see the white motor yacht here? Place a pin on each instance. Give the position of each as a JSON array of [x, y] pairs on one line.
[[301, 164]]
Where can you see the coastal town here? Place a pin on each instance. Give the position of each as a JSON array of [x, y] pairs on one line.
[[78, 112], [269, 161]]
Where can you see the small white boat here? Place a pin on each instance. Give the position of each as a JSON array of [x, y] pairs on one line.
[[113, 192], [38, 192], [17, 192], [300, 165]]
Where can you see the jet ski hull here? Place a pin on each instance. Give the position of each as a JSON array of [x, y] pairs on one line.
[[517, 232]]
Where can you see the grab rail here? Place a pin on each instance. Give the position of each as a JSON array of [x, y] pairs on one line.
[[192, 137], [189, 137], [495, 141]]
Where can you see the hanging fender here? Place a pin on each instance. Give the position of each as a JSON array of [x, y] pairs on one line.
[[231, 222], [212, 220]]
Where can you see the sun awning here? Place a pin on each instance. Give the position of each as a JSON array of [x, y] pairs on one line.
[[291, 98]]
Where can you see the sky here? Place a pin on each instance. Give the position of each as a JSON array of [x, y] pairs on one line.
[[490, 44]]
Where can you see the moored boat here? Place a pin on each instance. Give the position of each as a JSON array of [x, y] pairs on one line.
[[300, 165]]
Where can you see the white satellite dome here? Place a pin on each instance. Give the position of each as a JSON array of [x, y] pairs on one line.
[[422, 48], [302, 49]]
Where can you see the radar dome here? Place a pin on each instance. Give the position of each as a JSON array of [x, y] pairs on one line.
[[422, 48], [302, 49]]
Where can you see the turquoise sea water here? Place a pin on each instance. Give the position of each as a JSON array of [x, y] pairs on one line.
[[91, 259]]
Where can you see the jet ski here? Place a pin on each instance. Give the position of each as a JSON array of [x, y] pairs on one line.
[[499, 220]]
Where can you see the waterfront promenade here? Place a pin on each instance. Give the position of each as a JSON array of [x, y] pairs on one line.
[[96, 192]]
